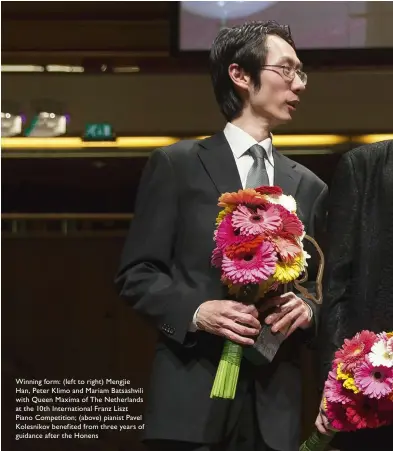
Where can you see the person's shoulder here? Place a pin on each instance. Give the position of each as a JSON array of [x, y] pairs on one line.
[[309, 175], [179, 149], [369, 153]]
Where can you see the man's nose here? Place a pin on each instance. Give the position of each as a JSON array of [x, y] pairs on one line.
[[297, 84]]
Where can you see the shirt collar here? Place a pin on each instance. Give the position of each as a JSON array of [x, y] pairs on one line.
[[240, 141]]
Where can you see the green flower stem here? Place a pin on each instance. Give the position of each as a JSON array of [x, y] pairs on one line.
[[227, 374], [316, 442]]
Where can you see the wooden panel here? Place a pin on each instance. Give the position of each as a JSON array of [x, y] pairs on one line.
[[104, 35], [64, 319], [139, 104], [84, 10]]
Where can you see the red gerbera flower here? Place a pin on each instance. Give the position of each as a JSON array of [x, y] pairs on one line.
[[246, 247], [269, 190], [363, 413], [385, 405], [336, 412], [354, 350], [385, 410]]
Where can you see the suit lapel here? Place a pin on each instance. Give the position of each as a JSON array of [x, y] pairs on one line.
[[219, 162], [285, 174]]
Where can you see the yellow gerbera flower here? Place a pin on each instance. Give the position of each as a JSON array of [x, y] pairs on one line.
[[287, 272], [349, 384], [264, 287], [340, 375], [223, 213]]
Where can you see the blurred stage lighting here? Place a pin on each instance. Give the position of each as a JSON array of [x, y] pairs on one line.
[[11, 124], [45, 125]]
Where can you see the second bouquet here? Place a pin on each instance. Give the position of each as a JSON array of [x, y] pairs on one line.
[[259, 246]]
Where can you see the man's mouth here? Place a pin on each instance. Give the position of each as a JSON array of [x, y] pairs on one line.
[[293, 104]]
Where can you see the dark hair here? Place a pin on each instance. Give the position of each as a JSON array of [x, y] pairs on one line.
[[244, 45]]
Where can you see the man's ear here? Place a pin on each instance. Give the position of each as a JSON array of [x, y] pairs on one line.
[[239, 77]]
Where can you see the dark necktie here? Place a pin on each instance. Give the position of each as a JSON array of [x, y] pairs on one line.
[[257, 175]]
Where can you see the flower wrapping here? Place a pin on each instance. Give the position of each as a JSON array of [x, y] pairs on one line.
[[358, 392], [259, 246]]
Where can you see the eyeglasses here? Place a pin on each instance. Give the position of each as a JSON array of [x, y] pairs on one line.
[[290, 73]]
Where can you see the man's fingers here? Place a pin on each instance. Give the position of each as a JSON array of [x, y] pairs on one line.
[[320, 425], [246, 319], [237, 338], [325, 419], [326, 423], [244, 308], [286, 320], [240, 329], [296, 324], [279, 313]]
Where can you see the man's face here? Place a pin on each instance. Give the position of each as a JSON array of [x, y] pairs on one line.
[[278, 96]]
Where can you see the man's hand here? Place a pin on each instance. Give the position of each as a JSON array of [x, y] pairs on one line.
[[229, 319], [290, 313], [322, 422]]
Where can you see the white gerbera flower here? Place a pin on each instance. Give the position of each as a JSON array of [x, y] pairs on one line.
[[382, 353], [389, 345], [287, 202], [306, 255]]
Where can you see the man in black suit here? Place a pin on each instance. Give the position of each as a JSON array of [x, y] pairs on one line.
[[165, 271], [358, 282]]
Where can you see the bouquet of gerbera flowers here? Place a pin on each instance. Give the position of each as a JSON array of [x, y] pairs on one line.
[[358, 393], [258, 247]]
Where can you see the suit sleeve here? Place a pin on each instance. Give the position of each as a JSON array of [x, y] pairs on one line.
[[341, 234], [316, 230], [146, 278]]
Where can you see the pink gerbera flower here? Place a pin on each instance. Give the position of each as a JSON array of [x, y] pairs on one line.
[[290, 223], [374, 381], [256, 222], [334, 390], [286, 248], [217, 257], [354, 350], [226, 234], [254, 267]]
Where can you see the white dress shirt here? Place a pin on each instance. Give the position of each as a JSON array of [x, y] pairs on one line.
[[239, 141]]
